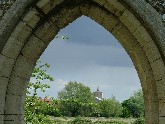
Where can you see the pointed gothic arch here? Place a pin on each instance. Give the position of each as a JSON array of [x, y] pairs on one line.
[[26, 34]]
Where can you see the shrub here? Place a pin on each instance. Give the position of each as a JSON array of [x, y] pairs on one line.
[[139, 121], [110, 108], [134, 106]]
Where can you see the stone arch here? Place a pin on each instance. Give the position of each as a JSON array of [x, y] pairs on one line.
[[27, 33]]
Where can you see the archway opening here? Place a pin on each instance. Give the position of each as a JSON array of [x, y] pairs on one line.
[[92, 56]]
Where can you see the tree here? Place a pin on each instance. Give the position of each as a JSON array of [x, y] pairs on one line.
[[70, 107], [73, 108], [110, 107], [76, 91], [39, 75], [134, 106], [33, 106]]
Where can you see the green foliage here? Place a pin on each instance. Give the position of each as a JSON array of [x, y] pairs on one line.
[[90, 110], [76, 100], [73, 108], [76, 91], [134, 106], [48, 109], [39, 75], [32, 111], [79, 120], [110, 108], [89, 120], [110, 122], [36, 111], [139, 121], [70, 108]]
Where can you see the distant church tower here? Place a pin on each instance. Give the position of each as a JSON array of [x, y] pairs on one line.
[[98, 95]]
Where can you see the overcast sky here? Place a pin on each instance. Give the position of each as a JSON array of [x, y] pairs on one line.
[[93, 57]]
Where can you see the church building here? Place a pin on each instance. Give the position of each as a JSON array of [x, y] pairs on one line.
[[98, 95]]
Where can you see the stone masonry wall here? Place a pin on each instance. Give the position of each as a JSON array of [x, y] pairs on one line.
[[159, 5], [136, 24], [4, 6]]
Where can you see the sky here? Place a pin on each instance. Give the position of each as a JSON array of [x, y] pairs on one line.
[[91, 56]]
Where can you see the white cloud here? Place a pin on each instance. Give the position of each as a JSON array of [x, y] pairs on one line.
[[56, 86], [60, 83]]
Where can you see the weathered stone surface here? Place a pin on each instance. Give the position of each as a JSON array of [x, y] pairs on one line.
[[47, 5], [159, 5], [33, 48], [23, 67], [153, 20], [115, 7], [143, 61], [6, 66], [31, 18], [10, 20], [142, 36], [109, 22], [124, 35], [1, 119], [161, 120], [96, 14], [14, 85], [163, 17], [158, 69], [153, 17], [22, 32], [46, 32], [84, 8], [161, 93], [136, 24], [152, 52], [1, 13], [61, 20], [130, 21], [5, 5], [14, 104], [3, 88], [14, 119], [100, 2], [12, 48]]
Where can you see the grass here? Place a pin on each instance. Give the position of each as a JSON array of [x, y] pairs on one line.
[[91, 120]]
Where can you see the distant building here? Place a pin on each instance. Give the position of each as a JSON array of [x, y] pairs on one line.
[[98, 95], [47, 100]]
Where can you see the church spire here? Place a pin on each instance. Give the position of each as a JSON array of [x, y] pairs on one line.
[[98, 88]]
